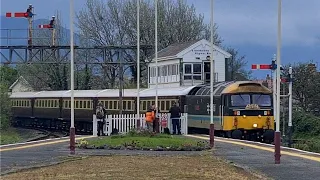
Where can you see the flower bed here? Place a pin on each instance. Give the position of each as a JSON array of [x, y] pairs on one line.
[[144, 140]]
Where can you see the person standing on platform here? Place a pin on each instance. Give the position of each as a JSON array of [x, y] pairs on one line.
[[175, 118], [101, 113], [150, 117], [156, 116]]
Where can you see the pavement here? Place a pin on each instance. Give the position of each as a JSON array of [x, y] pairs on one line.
[[256, 157], [50, 152]]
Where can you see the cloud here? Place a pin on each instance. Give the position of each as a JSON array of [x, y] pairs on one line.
[[255, 21]]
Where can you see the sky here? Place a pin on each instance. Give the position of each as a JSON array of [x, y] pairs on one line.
[[249, 23]]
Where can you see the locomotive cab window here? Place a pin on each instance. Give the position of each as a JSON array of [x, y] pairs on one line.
[[261, 99], [241, 100]]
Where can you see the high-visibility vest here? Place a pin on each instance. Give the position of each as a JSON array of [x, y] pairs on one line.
[[149, 116]]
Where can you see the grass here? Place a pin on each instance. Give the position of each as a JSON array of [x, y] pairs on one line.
[[141, 141], [138, 167], [9, 136]]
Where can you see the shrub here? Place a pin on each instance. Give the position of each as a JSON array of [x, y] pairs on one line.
[[305, 124]]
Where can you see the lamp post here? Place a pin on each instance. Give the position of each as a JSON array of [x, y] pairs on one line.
[[72, 129], [277, 132], [211, 81], [138, 61], [156, 56]]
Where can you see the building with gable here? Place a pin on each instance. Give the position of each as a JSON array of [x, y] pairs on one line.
[[187, 64], [20, 85]]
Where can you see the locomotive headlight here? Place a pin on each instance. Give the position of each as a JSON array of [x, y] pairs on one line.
[[259, 116], [244, 116], [255, 125]]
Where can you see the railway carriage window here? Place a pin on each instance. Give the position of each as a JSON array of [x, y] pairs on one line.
[[240, 100], [45, 103], [77, 104], [88, 105], [110, 105], [148, 104], [84, 104], [115, 105], [80, 104], [168, 105], [144, 105], [69, 104], [124, 105], [106, 104], [130, 105], [163, 107], [261, 99], [55, 103]]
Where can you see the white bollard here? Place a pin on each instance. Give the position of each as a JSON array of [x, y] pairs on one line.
[[95, 125]]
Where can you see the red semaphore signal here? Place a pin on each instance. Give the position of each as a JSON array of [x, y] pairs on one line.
[[260, 66], [18, 14]]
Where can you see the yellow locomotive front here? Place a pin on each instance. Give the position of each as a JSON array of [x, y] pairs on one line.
[[248, 112]]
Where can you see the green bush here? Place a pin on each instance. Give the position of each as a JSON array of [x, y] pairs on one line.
[[4, 107], [305, 124]]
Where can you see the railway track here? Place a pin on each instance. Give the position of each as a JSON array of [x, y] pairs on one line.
[[46, 134], [50, 135]]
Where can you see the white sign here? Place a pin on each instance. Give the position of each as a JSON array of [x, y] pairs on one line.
[[208, 108]]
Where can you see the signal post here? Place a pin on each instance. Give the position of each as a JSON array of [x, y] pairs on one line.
[[51, 26], [277, 140]]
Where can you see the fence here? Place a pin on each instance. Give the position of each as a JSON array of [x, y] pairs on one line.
[[123, 123]]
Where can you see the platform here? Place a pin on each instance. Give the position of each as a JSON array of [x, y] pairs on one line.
[[252, 156], [259, 157], [34, 154]]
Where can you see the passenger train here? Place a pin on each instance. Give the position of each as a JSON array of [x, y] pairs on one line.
[[242, 109]]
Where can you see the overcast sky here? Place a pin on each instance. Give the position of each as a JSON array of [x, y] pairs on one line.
[[239, 21]]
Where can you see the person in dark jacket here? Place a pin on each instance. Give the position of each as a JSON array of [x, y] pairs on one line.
[[175, 118], [155, 116], [101, 114]]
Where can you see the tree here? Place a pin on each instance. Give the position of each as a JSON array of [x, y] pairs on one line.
[[8, 76], [114, 23], [236, 66], [306, 83]]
